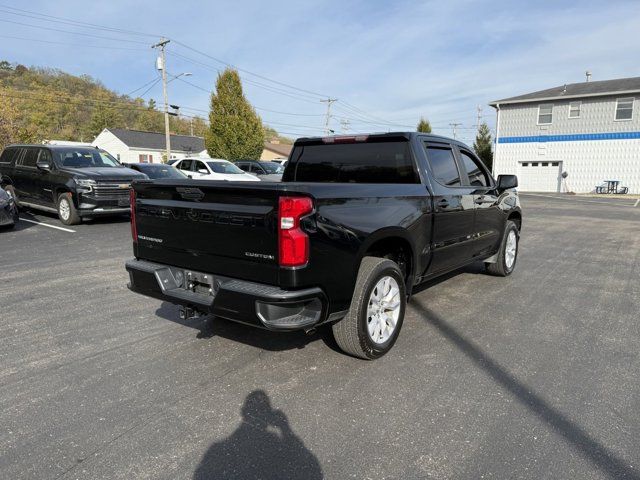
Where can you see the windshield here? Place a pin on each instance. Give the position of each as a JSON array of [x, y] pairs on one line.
[[85, 158], [272, 167], [160, 171], [224, 167]]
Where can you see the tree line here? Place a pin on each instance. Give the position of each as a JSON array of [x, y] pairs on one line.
[[39, 104]]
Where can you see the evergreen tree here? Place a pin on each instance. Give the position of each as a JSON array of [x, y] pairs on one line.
[[424, 126], [235, 129], [482, 145]]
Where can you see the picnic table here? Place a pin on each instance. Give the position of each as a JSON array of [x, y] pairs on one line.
[[611, 187]]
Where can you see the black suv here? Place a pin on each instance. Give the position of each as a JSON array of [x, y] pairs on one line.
[[74, 182]]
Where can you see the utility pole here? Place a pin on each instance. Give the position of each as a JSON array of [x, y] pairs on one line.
[[454, 126], [479, 117], [162, 64], [328, 101], [191, 125], [344, 123]]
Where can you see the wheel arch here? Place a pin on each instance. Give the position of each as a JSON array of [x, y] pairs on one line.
[[389, 243], [516, 217]]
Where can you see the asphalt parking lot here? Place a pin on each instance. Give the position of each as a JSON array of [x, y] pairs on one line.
[[534, 376]]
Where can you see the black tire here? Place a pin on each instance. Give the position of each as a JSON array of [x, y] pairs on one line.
[[351, 333], [72, 218], [501, 268]]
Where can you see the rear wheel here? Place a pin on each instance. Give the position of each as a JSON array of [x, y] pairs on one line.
[[67, 211], [375, 316], [508, 253]]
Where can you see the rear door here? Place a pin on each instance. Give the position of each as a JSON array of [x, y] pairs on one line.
[[25, 175], [453, 209], [489, 219]]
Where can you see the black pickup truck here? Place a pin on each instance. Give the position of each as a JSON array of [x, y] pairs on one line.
[[74, 182], [356, 223]]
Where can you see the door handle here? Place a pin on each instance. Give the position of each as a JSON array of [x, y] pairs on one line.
[[443, 203]]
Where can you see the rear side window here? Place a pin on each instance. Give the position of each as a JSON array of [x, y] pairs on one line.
[[477, 177], [8, 155], [443, 165], [374, 162], [30, 158], [185, 165]]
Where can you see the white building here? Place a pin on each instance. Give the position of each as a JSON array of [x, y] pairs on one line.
[[134, 146], [589, 130]]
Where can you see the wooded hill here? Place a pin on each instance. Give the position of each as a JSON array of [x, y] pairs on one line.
[[39, 104]]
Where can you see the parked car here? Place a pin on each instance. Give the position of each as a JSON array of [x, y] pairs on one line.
[[74, 182], [355, 225], [157, 170], [266, 171], [8, 208], [213, 169]]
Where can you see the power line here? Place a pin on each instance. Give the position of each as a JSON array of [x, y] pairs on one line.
[[72, 44], [68, 21], [73, 33]]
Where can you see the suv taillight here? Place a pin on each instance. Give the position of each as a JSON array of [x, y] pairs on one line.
[[293, 241], [134, 228]]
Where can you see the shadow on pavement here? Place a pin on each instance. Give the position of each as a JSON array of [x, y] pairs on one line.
[[589, 447], [209, 326], [263, 446]]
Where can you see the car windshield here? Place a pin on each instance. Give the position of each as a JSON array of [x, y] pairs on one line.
[[160, 171], [85, 158], [272, 167], [224, 167]]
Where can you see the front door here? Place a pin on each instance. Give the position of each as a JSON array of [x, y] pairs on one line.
[[43, 181], [489, 220], [453, 210]]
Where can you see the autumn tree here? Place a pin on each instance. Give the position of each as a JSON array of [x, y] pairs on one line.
[[424, 126]]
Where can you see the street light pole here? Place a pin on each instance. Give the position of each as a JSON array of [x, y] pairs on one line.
[[163, 65]]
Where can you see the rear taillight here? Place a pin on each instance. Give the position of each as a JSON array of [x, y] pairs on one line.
[[293, 241], [134, 228]]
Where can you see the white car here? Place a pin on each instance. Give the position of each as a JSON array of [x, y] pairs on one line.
[[213, 169]]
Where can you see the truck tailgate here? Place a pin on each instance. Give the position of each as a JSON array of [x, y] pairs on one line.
[[228, 228]]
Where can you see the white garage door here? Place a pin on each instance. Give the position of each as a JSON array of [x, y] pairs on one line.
[[539, 176]]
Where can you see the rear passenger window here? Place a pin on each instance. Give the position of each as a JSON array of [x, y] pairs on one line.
[[186, 164], [443, 165], [387, 161], [8, 155], [30, 158], [477, 177]]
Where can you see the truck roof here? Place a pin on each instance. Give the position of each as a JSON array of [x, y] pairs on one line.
[[369, 136]]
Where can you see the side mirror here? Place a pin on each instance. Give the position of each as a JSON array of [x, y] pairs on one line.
[[505, 182], [203, 171], [44, 165], [189, 176]]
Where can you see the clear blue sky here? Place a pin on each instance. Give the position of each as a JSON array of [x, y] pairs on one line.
[[393, 60]]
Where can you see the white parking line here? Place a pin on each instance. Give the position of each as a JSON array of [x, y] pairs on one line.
[[637, 202], [579, 200], [47, 225]]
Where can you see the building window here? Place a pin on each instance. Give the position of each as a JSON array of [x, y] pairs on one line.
[[144, 158], [545, 114], [574, 109], [624, 109]]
